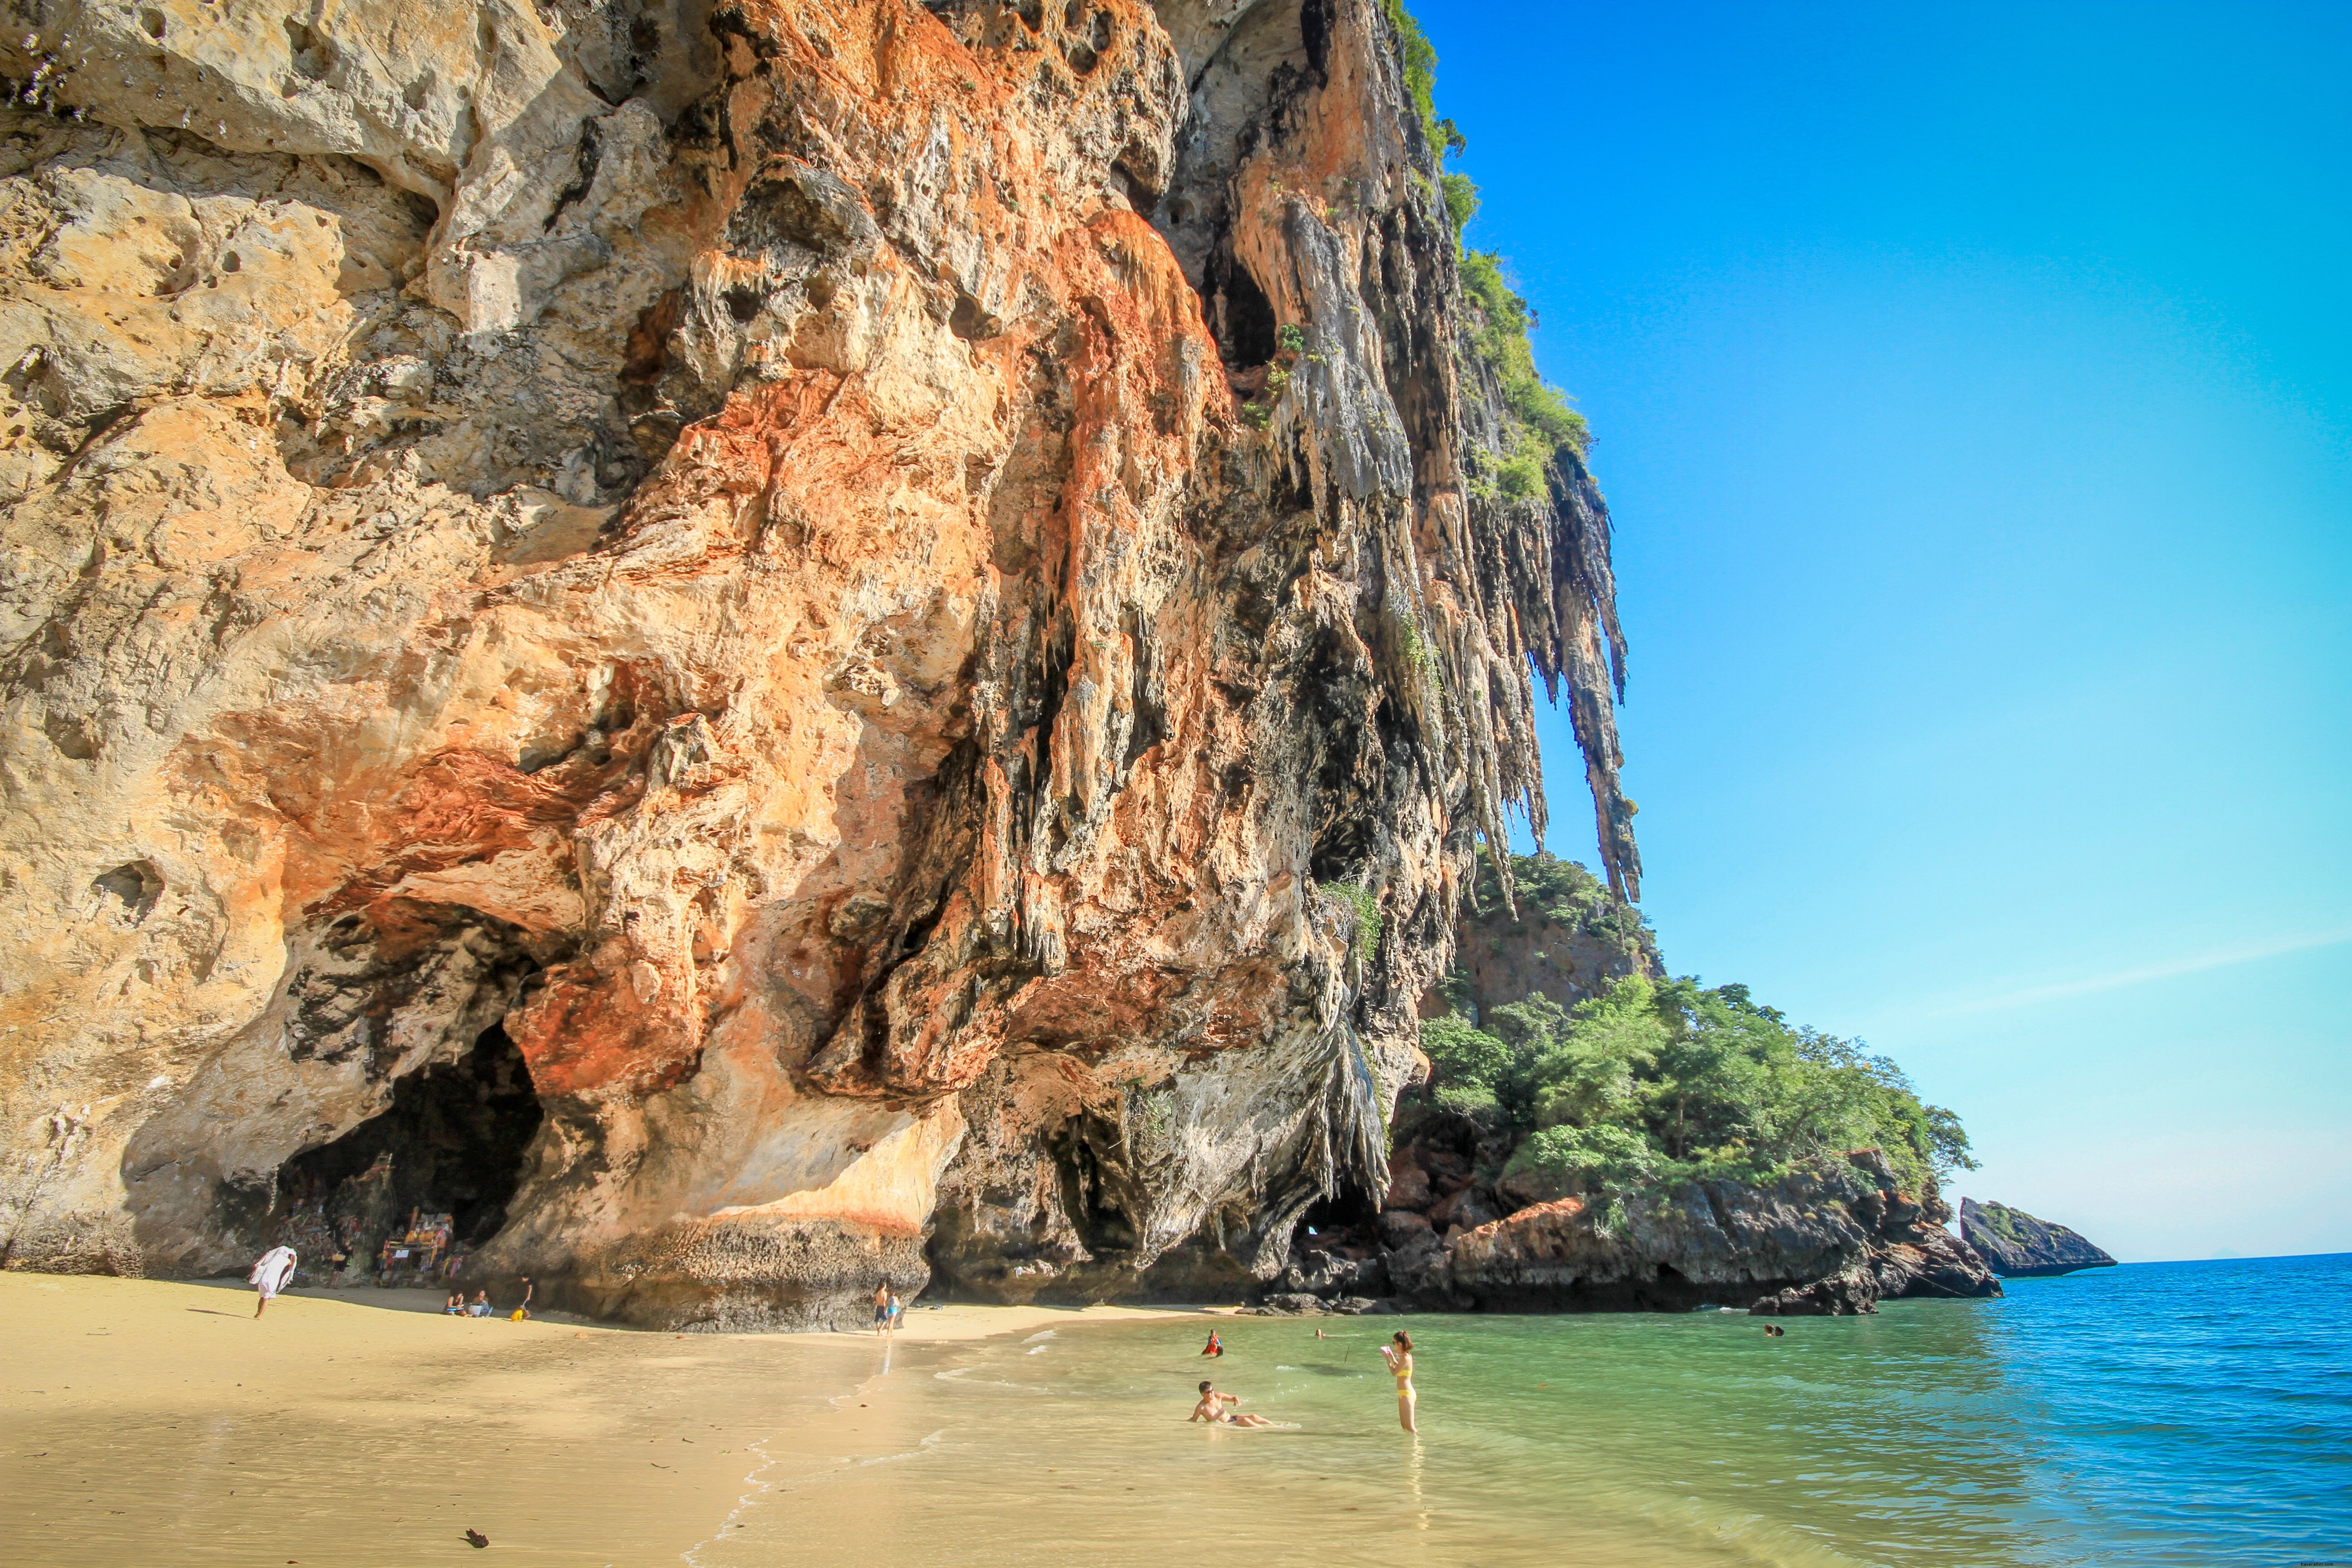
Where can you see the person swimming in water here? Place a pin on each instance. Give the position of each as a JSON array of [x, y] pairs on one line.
[[1216, 1409], [1215, 1345], [1400, 1359]]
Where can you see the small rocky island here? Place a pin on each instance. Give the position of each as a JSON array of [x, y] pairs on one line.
[[2020, 1247]]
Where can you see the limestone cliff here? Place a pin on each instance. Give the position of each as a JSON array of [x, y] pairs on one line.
[[2020, 1247], [1557, 934], [893, 607]]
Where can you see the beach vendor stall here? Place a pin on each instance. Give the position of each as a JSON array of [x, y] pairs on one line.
[[412, 1256]]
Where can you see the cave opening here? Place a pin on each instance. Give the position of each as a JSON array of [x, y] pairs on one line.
[[1241, 317], [1349, 1214], [451, 1143]]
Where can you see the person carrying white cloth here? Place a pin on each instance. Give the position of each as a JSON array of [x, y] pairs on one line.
[[272, 1275]]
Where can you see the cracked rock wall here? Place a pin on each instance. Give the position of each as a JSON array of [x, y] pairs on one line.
[[896, 593]]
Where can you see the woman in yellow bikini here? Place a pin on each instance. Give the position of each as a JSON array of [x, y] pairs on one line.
[[1400, 1359]]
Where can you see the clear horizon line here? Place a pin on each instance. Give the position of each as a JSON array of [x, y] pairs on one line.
[[2172, 969]]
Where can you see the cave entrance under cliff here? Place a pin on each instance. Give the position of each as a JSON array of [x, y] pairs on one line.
[[451, 1143], [1349, 1217]]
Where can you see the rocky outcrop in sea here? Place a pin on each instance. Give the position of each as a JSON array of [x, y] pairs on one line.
[[2020, 1247], [1827, 1236]]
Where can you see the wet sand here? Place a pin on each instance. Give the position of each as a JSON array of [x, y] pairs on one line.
[[153, 1422]]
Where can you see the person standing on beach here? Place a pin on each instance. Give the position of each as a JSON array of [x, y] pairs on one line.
[[1400, 1359], [881, 1306], [270, 1275]]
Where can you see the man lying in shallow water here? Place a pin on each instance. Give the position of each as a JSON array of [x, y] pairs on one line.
[[1216, 1409]]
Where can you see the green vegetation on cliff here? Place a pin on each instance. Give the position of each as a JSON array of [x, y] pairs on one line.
[[1546, 888], [1543, 435], [1656, 1080]]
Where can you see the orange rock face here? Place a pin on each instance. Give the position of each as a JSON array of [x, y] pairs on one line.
[[892, 603]]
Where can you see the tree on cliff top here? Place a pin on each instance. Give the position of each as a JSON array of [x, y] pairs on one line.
[[1661, 1080]]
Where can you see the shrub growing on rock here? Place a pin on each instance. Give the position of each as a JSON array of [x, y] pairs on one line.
[[1654, 1081]]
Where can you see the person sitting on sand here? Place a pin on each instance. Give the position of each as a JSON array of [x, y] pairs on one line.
[[1216, 1409], [271, 1273], [455, 1304], [1215, 1345], [481, 1306]]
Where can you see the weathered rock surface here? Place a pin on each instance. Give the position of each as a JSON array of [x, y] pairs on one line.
[[715, 552], [1829, 1235], [2020, 1247]]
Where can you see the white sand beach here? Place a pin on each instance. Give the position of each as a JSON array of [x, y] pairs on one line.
[[149, 1421]]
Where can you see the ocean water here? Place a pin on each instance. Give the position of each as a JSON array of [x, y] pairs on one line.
[[2197, 1415]]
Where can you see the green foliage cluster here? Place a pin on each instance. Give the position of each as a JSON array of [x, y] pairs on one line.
[[1290, 345], [1151, 1113], [1418, 55], [1545, 887], [1544, 427], [1419, 651], [1461, 201], [1360, 898], [1663, 1080]]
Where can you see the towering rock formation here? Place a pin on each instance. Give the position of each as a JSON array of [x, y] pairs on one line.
[[905, 608]]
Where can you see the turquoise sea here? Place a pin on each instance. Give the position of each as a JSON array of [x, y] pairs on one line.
[[2197, 1415]]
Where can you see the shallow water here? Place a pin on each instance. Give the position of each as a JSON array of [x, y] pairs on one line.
[[2180, 1416], [2152, 1414]]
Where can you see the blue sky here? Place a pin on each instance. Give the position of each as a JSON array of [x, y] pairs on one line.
[[1973, 388]]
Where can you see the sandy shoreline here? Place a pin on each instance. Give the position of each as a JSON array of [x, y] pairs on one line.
[[152, 1421], [925, 1322]]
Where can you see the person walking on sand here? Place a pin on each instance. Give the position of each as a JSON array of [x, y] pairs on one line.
[[1400, 1359], [882, 1307], [1217, 1410], [270, 1275]]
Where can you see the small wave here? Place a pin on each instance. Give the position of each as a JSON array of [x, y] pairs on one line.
[[1039, 1350], [760, 1487], [1033, 1339], [917, 1452]]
